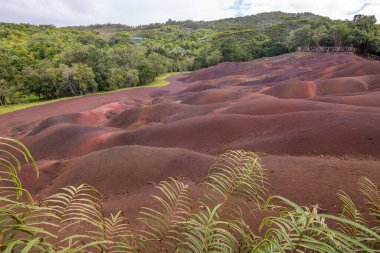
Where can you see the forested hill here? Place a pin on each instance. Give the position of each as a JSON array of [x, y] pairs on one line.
[[48, 62], [260, 21]]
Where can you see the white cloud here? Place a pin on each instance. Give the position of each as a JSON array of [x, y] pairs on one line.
[[135, 12]]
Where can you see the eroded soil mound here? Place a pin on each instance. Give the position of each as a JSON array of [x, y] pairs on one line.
[[315, 118]]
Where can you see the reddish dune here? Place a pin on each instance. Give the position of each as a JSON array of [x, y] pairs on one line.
[[123, 170], [315, 118], [259, 104], [365, 99], [211, 96], [200, 87], [295, 89], [352, 69], [338, 134], [342, 85]]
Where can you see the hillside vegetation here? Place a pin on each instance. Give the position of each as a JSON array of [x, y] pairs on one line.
[[45, 62]]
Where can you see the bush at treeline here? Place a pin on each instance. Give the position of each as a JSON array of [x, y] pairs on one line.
[[48, 62]]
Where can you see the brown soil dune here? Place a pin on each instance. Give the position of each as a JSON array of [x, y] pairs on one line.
[[315, 118], [338, 134], [365, 99], [211, 96], [125, 169], [295, 89], [259, 104]]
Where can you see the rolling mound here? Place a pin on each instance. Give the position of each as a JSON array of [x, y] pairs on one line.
[[371, 99], [211, 96], [296, 89], [315, 119], [125, 169]]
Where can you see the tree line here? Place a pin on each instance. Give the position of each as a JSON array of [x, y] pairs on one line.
[[45, 62]]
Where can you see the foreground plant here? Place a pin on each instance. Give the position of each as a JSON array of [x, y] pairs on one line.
[[73, 220]]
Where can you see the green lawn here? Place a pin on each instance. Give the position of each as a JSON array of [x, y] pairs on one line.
[[159, 81]]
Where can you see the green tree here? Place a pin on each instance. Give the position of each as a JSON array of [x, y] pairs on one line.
[[277, 32], [43, 47], [78, 79], [158, 63], [213, 58], [300, 37], [340, 34], [320, 35], [7, 78], [78, 53], [231, 50], [127, 55], [146, 73], [123, 77], [43, 80], [185, 64], [366, 33]]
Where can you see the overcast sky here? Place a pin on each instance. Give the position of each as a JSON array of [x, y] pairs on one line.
[[135, 12]]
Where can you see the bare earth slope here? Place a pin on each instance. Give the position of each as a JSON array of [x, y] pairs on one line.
[[315, 119]]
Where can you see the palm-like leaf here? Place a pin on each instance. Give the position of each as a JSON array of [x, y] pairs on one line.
[[24, 226], [118, 234], [291, 229], [236, 175], [299, 229], [206, 232], [78, 211], [10, 166], [22, 223], [350, 212], [243, 234], [165, 226], [371, 192], [73, 205]]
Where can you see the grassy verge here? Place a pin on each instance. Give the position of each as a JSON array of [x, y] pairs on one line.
[[158, 82], [15, 107]]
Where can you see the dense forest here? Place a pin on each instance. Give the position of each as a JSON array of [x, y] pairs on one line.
[[45, 62]]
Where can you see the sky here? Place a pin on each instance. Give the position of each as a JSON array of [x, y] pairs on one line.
[[137, 12]]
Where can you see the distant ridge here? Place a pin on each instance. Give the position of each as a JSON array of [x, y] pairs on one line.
[[260, 20]]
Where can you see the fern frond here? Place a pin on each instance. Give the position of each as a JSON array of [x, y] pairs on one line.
[[23, 225], [12, 153], [78, 210], [236, 175], [243, 234], [350, 212], [206, 232], [73, 205], [81, 243], [24, 245], [369, 243], [291, 229], [371, 192], [118, 234], [165, 225], [299, 229]]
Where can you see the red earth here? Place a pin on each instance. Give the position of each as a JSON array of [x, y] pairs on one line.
[[314, 118]]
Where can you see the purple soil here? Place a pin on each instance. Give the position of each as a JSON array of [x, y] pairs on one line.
[[315, 119]]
